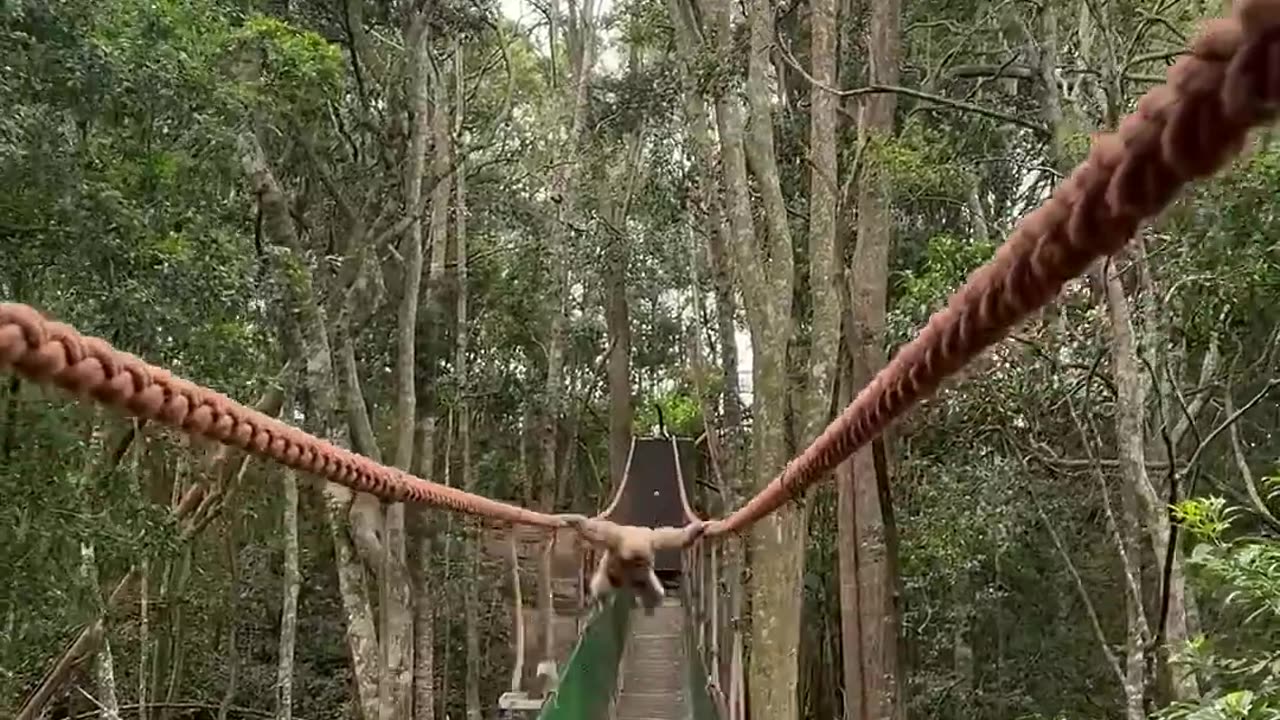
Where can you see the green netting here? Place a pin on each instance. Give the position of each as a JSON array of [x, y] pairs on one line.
[[590, 678]]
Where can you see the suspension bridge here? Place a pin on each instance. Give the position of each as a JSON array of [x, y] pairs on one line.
[[669, 665]]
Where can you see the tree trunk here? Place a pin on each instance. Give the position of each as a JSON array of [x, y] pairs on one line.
[[104, 678], [777, 562], [618, 325], [1183, 684], [765, 269], [1135, 666], [424, 595], [1130, 410], [828, 297], [719, 238], [581, 42], [104, 675], [877, 584], [322, 413], [177, 648], [471, 598], [517, 619], [395, 688], [442, 569], [825, 286], [144, 634], [289, 604], [847, 558], [962, 592], [778, 540], [232, 657], [362, 639], [616, 198]]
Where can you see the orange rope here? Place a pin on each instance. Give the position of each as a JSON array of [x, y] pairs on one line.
[[51, 352], [1183, 130]]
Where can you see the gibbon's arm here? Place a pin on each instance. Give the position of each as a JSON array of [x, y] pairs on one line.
[[597, 532], [673, 538], [608, 575]]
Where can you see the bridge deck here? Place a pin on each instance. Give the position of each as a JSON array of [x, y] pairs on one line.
[[652, 685]]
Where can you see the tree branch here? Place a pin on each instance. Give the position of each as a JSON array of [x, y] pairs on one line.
[[1020, 72], [1227, 423], [877, 89], [1164, 56], [1242, 463], [1131, 571], [327, 179], [1112, 660]]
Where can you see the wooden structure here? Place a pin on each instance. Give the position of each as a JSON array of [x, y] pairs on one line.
[[655, 490]]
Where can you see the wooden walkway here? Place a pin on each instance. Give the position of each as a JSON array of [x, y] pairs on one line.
[[652, 683]]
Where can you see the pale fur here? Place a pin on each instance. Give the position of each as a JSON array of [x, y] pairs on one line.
[[628, 555]]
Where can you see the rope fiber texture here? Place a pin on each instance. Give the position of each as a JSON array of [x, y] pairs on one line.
[[52, 352], [1183, 130]]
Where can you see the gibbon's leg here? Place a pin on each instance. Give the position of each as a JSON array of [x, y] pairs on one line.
[[601, 583], [650, 589], [636, 557], [612, 574]]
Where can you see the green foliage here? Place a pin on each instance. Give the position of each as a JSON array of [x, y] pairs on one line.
[[45, 525], [948, 260], [1240, 668], [1073, 143], [714, 71], [643, 24], [1231, 271], [122, 214], [1205, 518], [917, 160], [680, 412], [297, 67], [125, 211]]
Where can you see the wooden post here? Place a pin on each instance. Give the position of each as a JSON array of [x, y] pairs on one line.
[[517, 631], [713, 663]]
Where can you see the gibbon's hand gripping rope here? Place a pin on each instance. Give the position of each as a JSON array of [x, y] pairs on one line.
[[1183, 130]]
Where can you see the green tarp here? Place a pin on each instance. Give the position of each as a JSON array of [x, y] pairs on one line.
[[590, 678]]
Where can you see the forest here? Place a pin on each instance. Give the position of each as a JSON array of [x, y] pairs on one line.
[[492, 242]]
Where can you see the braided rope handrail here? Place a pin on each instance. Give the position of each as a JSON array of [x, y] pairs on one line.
[[1181, 131], [622, 485], [54, 353]]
